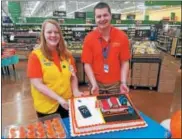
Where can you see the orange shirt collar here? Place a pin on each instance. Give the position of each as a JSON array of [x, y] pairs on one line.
[[98, 34]]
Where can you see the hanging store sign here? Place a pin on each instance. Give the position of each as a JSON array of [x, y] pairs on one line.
[[6, 19], [59, 13], [130, 17], [116, 16], [80, 15]]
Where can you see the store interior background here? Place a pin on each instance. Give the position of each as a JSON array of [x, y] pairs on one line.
[[157, 100]]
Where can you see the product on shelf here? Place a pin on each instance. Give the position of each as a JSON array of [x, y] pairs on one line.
[[145, 47], [103, 113], [46, 127]]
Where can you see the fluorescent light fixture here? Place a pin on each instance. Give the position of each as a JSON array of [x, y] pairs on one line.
[[126, 2], [63, 5], [37, 3], [141, 6], [128, 8], [6, 2], [83, 7]]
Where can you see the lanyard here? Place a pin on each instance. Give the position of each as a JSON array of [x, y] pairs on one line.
[[105, 50]]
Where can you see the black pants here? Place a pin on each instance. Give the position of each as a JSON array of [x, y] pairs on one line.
[[60, 110]]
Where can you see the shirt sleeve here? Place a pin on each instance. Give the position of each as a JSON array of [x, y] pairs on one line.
[[125, 49], [86, 56], [34, 69], [72, 60]]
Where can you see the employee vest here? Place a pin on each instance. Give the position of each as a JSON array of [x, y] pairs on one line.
[[57, 81]]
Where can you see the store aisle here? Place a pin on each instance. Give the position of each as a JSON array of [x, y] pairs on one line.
[[17, 104]]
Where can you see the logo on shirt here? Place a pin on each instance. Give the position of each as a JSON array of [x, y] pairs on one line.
[[64, 66], [115, 44], [46, 62]]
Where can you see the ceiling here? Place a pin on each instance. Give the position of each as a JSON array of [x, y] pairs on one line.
[[43, 8]]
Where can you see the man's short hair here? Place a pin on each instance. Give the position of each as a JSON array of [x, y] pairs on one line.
[[101, 5]]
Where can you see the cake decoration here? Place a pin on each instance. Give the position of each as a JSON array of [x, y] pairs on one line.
[[103, 113]]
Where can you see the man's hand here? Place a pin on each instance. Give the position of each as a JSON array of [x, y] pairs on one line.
[[124, 88], [94, 89]]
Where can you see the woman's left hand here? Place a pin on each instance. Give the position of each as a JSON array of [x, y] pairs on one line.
[[77, 93]]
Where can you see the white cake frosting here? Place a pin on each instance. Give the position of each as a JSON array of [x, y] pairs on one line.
[[96, 117]]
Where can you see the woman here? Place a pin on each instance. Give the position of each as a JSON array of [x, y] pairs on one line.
[[51, 70]]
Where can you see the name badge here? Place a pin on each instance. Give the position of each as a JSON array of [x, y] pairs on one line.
[[106, 68], [47, 63], [71, 68]]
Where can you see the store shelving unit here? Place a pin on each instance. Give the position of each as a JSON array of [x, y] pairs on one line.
[[73, 34], [76, 33], [7, 28], [176, 47], [169, 40], [20, 37], [165, 41], [145, 65], [145, 72]]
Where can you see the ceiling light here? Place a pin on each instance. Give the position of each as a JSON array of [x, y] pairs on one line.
[[141, 6], [83, 7], [36, 5], [131, 12], [126, 2], [63, 6]]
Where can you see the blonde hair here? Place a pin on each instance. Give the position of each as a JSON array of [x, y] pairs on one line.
[[61, 49]]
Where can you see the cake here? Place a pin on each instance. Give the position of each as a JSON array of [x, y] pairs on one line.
[[103, 113]]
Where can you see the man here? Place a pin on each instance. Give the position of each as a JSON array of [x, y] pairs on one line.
[[105, 54]]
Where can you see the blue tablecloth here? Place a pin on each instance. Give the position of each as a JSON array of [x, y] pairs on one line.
[[10, 60], [153, 130]]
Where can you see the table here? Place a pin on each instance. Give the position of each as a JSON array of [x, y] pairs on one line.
[[153, 130], [8, 60]]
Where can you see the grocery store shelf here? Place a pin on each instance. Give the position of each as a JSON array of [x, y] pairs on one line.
[[163, 48], [163, 42], [178, 54]]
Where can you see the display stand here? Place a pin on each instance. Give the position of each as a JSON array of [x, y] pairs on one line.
[[145, 71]]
